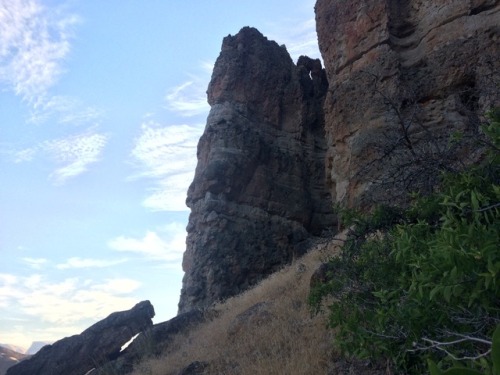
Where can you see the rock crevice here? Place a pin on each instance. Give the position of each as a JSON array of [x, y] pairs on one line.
[[403, 76]]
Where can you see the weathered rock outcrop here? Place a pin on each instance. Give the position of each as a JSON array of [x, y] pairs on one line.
[[403, 76], [153, 341], [96, 345], [259, 190]]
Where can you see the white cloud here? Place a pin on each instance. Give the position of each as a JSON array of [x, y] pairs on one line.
[[118, 286], [76, 262], [166, 245], [68, 302], [35, 263], [169, 194], [166, 154], [7, 289], [298, 34], [25, 155], [64, 110], [74, 154], [189, 98], [302, 40], [34, 41]]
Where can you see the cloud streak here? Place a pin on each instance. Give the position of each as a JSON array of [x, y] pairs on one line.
[[76, 262], [34, 41], [35, 263], [67, 301], [70, 304], [189, 98], [64, 110], [71, 155], [166, 154], [166, 245], [74, 154]]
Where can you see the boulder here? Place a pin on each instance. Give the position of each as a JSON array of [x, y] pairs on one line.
[[153, 341]]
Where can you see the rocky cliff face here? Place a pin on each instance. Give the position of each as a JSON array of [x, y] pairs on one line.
[[259, 190], [400, 78], [403, 76]]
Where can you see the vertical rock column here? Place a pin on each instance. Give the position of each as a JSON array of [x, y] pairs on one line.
[[259, 189]]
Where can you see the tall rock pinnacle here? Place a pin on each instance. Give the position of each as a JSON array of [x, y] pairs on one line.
[[259, 191]]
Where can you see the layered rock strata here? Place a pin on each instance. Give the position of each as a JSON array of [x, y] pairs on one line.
[[259, 189], [403, 76]]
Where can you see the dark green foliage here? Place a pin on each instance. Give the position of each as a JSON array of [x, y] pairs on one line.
[[424, 283]]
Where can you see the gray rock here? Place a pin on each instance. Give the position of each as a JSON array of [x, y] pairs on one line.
[[259, 191], [96, 345]]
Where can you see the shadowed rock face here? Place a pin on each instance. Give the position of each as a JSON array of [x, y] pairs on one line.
[[431, 66], [153, 341], [259, 189], [96, 345], [400, 77]]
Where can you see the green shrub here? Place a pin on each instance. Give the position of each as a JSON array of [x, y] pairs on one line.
[[423, 283]]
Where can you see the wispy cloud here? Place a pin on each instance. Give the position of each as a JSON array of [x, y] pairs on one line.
[[74, 154], [166, 245], [297, 32], [71, 155], [24, 155], [189, 98], [304, 40], [76, 262], [64, 110], [71, 304], [166, 154], [35, 263], [34, 41]]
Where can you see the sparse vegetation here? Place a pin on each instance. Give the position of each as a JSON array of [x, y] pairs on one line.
[[278, 336], [424, 282], [414, 290]]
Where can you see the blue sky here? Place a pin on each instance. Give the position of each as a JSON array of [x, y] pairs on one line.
[[101, 107]]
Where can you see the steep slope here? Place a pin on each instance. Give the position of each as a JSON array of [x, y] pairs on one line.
[[259, 190], [268, 330], [403, 76]]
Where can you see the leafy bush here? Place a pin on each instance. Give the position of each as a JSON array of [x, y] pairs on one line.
[[424, 283]]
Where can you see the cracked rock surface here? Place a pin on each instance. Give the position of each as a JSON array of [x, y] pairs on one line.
[[431, 67], [259, 189]]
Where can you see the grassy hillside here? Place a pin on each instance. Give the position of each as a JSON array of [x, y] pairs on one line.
[[266, 330]]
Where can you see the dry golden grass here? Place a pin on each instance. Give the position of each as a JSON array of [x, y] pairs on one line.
[[283, 338]]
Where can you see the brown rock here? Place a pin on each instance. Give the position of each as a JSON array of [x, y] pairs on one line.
[[259, 189], [431, 67], [96, 345]]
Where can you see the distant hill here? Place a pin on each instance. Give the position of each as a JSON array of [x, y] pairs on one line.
[[9, 358], [36, 346]]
